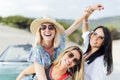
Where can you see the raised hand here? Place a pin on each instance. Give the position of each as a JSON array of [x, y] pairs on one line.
[[97, 7], [90, 9]]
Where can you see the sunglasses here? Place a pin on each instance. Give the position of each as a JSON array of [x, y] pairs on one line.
[[50, 27], [94, 34], [71, 55]]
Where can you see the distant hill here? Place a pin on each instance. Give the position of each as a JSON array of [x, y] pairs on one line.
[[107, 21]]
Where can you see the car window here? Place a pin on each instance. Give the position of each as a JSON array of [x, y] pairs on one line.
[[15, 53]]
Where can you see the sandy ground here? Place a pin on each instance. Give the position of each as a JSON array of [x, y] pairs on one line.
[[10, 36]]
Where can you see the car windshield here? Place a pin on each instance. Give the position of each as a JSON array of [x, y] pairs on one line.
[[16, 53]]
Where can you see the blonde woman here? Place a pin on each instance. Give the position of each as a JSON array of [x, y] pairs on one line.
[[68, 66]]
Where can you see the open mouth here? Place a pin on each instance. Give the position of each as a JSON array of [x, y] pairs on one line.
[[48, 35]]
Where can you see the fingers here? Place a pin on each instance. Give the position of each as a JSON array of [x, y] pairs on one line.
[[97, 7], [100, 7], [90, 9]]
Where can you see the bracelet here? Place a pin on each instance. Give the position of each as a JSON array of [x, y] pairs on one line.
[[86, 22]]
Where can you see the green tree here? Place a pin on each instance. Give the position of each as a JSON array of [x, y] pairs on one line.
[[1, 19], [75, 36], [18, 21]]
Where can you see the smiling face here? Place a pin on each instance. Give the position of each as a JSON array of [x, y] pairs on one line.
[[47, 31], [70, 59], [97, 38]]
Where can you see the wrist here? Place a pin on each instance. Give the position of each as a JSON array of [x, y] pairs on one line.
[[85, 22], [91, 9]]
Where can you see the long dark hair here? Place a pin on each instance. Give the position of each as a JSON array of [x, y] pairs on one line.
[[105, 49]]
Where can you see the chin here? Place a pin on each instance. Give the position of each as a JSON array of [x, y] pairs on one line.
[[96, 46]]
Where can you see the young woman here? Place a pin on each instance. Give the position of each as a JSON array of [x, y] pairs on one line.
[[98, 54], [68, 66], [49, 42]]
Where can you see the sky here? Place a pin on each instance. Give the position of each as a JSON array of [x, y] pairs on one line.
[[67, 9]]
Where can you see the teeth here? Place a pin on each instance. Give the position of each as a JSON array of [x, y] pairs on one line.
[[47, 35]]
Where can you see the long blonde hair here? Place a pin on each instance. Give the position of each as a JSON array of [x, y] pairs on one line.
[[77, 72]]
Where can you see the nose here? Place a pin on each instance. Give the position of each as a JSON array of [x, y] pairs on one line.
[[47, 29], [70, 60], [96, 38]]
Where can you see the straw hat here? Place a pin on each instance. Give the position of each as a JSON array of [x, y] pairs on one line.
[[37, 22]]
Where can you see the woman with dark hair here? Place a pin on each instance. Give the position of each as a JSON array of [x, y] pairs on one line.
[[98, 54]]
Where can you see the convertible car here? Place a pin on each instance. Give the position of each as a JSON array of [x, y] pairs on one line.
[[13, 60]]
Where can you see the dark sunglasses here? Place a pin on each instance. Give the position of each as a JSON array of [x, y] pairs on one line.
[[50, 27], [71, 55], [94, 34]]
